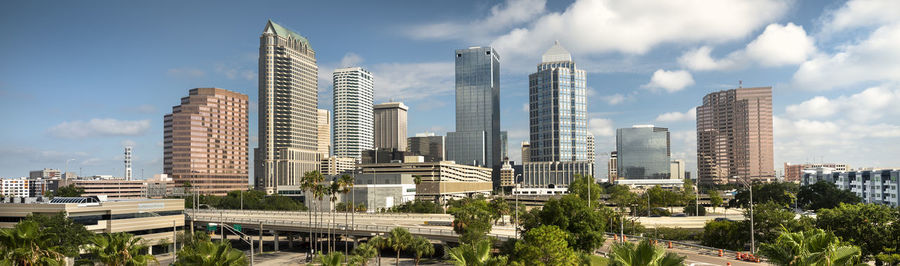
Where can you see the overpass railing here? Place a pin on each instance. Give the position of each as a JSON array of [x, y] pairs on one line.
[[304, 213]]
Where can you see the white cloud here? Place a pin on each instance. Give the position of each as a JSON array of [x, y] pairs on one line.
[[870, 104], [99, 128], [690, 115], [502, 17], [777, 45], [860, 13], [601, 127], [234, 72], [351, 60], [613, 99], [408, 81], [875, 59], [670, 81], [185, 72], [525, 108], [635, 27], [128, 142]]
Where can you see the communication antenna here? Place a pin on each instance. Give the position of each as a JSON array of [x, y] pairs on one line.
[[740, 84]]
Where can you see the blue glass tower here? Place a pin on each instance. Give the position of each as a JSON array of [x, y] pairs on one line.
[[557, 109], [643, 152], [477, 137]]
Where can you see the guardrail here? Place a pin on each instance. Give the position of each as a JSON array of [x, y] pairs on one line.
[[338, 227], [304, 213]]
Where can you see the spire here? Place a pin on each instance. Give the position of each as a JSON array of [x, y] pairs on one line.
[[556, 53]]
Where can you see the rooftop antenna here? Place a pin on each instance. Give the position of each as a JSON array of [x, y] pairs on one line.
[[740, 84]]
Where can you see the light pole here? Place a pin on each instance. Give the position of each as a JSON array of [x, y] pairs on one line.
[[516, 194], [752, 231], [67, 166]]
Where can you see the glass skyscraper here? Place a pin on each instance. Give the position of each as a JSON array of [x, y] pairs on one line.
[[557, 109], [643, 152], [477, 137]]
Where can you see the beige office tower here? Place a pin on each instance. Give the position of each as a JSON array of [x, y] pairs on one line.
[[288, 97], [734, 136], [206, 141], [591, 151], [526, 152], [390, 125], [324, 129]]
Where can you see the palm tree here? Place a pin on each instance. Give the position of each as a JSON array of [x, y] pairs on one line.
[[399, 239], [346, 183], [333, 189], [814, 247], [26, 244], [118, 249], [364, 252], [379, 243], [643, 254], [422, 247], [474, 254], [308, 185], [207, 253], [331, 259]]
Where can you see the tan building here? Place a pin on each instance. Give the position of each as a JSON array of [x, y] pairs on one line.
[[206, 141], [390, 125], [613, 167], [526, 152], [157, 187], [324, 137], [288, 100], [676, 169], [337, 165], [507, 175], [151, 219], [734, 136], [439, 180], [793, 172]]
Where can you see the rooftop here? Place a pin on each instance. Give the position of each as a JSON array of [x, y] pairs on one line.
[[556, 53], [284, 31]]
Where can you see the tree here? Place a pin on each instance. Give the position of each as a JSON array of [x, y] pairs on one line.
[[814, 247], [330, 259], [477, 253], [69, 191], [642, 254], [724, 234], [189, 240], [622, 197], [769, 218], [692, 210], [207, 253], [310, 184], [379, 243], [418, 206], [399, 239], [824, 195], [499, 207], [118, 249], [545, 245], [715, 199], [27, 244], [471, 219], [781, 193], [871, 227], [346, 185], [579, 187], [421, 247], [71, 235], [364, 252], [584, 226]]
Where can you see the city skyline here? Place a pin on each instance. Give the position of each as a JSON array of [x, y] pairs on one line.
[[81, 114]]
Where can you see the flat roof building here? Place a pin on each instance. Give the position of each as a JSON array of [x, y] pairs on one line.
[[427, 145], [390, 125]]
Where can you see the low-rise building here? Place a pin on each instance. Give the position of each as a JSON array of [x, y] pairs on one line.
[[14, 187], [793, 172], [151, 219], [438, 180], [507, 175], [157, 187], [641, 184], [554, 174], [40, 186], [878, 186], [335, 165]]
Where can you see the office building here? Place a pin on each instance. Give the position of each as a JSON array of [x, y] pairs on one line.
[[153, 220], [384, 156], [507, 175], [476, 140], [353, 117], [427, 145], [207, 141], [612, 167], [676, 169], [128, 162], [504, 143], [877, 186], [439, 180], [158, 187], [557, 109], [643, 152], [46, 173], [14, 187], [526, 152], [332, 166], [591, 152], [793, 172], [288, 100], [323, 124], [390, 125], [39, 186], [734, 136], [554, 174]]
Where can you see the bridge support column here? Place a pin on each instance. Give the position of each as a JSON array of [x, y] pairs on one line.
[[291, 241], [276, 241], [260, 238]]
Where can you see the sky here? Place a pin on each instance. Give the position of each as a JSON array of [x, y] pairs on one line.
[[78, 80]]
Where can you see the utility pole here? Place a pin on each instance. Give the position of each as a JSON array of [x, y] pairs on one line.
[[174, 241], [752, 230]]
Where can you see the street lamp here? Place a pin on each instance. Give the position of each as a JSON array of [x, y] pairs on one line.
[[517, 204], [752, 231]]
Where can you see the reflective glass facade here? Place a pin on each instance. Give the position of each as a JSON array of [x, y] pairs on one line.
[[643, 152], [557, 109]]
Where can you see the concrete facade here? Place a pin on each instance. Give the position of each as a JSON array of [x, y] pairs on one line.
[[390, 125], [880, 186], [554, 174], [323, 126], [353, 111]]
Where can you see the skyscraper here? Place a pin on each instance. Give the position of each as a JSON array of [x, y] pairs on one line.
[[526, 152], [557, 109], [476, 140], [504, 139], [128, 162], [427, 145], [206, 141], [734, 136], [353, 118], [591, 152], [288, 100], [644, 152], [390, 125], [324, 133]]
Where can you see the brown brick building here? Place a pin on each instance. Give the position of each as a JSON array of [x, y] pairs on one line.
[[206, 141], [734, 136]]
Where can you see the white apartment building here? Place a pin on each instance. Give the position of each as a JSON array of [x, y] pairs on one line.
[[880, 186], [14, 187], [353, 112]]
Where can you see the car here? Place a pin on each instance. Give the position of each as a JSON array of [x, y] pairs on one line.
[[679, 215], [720, 219]]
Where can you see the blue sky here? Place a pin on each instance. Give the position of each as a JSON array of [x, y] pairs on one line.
[[80, 79]]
